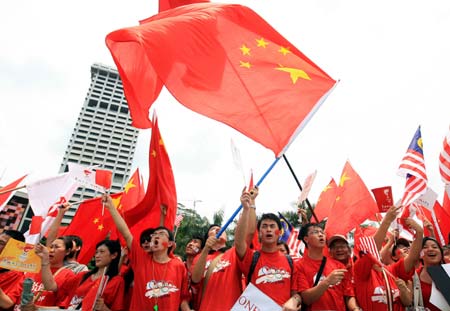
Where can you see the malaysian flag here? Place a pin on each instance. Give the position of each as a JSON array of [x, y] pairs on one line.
[[178, 220], [413, 167], [444, 160]]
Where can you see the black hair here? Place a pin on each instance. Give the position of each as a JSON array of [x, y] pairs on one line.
[[206, 235], [304, 231], [16, 235], [68, 244], [145, 235], [78, 243], [270, 216], [286, 247], [113, 268], [426, 239]]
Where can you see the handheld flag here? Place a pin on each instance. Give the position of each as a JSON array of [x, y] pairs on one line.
[[8, 191], [444, 160]]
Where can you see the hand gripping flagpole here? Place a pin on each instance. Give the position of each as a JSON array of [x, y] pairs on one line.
[[225, 226], [301, 189]]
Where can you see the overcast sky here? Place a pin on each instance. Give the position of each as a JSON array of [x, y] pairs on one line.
[[392, 58]]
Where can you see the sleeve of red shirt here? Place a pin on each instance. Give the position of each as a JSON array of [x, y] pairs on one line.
[[398, 269], [66, 281], [244, 263]]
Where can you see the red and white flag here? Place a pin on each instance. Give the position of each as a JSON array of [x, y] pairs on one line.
[[178, 220], [367, 245], [96, 179], [295, 245], [42, 194], [4, 198], [444, 160]]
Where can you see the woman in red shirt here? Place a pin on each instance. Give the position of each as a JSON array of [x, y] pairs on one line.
[[432, 255]]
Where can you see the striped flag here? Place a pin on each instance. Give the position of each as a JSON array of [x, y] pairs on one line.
[[295, 245], [367, 245], [444, 160], [178, 220], [413, 167]]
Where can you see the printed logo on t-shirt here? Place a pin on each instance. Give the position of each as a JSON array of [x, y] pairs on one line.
[[221, 265], [76, 300], [155, 289], [271, 275], [379, 294]]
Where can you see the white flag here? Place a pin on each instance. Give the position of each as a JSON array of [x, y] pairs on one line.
[[42, 194]]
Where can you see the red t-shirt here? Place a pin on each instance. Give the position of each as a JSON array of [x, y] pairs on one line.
[[333, 297], [11, 283], [159, 284], [370, 285], [225, 273], [65, 282], [86, 293], [272, 274]]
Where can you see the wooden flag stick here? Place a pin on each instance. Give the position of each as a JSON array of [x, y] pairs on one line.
[[11, 190]]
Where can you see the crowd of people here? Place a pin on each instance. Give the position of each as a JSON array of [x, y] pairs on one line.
[[146, 275]]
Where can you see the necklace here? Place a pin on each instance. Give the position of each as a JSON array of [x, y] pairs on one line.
[[155, 307]]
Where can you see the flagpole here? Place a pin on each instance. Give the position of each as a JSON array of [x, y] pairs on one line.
[[10, 190], [225, 226], [301, 189]]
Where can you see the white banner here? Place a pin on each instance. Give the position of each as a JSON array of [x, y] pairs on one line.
[[254, 299], [427, 199], [307, 185]]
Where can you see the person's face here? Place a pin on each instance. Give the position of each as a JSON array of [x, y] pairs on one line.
[[57, 252], [431, 253], [4, 238], [269, 232], [103, 256], [146, 243], [315, 237], [447, 255], [193, 247], [340, 251], [159, 240], [282, 249], [401, 252]]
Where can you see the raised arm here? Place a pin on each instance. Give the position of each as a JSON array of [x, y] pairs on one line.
[[47, 276], [199, 268], [241, 228], [251, 227], [53, 230], [118, 220], [384, 226], [416, 245]]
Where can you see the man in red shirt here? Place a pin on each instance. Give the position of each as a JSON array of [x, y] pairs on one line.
[[273, 273], [160, 282], [333, 289], [10, 281]]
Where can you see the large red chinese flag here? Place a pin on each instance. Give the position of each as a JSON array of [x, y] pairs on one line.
[[7, 192], [170, 4], [225, 62], [91, 226], [354, 203], [160, 190], [326, 201]]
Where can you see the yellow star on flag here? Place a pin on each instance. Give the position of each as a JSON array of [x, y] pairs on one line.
[[328, 187], [261, 43], [245, 64], [245, 50], [96, 220], [129, 185], [284, 51], [100, 227], [154, 153], [161, 142], [343, 179], [116, 201], [294, 73], [338, 198]]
